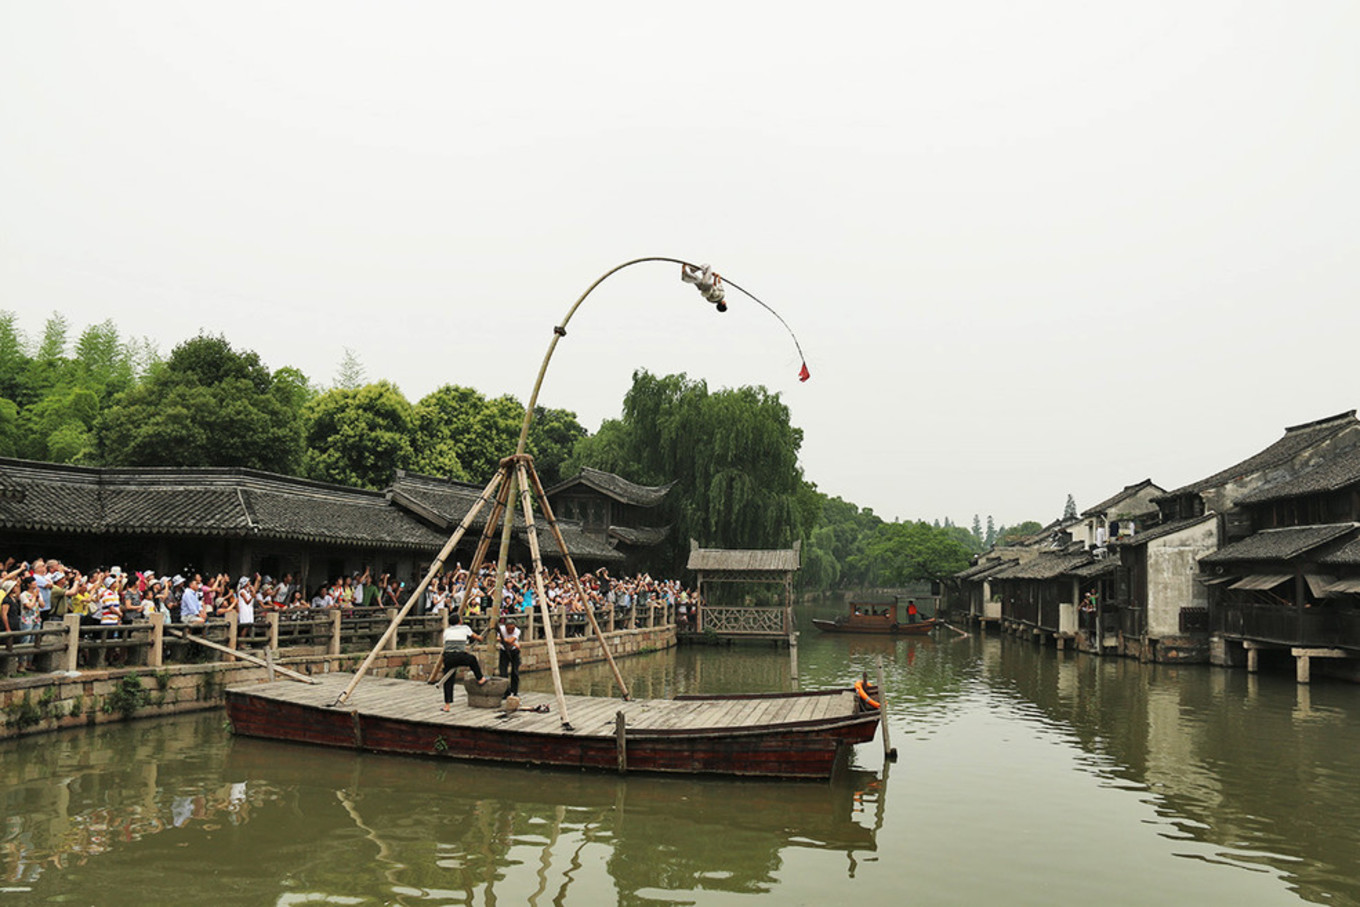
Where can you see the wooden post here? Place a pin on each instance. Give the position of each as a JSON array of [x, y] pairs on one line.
[[72, 656], [334, 647], [233, 632], [621, 741], [392, 639], [1253, 660], [793, 661], [269, 663], [888, 752], [156, 657], [271, 620], [1302, 669]]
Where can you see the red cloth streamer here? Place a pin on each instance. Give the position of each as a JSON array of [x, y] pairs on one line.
[[803, 373]]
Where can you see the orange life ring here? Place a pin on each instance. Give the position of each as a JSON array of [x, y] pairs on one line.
[[859, 688]]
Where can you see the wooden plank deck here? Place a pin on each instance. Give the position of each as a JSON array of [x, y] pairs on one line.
[[408, 700]]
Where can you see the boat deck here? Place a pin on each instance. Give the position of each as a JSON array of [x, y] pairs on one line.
[[410, 700]]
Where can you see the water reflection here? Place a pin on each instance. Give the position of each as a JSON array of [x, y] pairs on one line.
[[183, 800], [1264, 770], [1020, 767]]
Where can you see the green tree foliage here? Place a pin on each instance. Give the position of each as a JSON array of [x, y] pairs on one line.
[[977, 533], [1007, 535], [9, 428], [207, 405], [351, 373], [908, 552], [732, 454], [1070, 508], [459, 433], [990, 538], [358, 436], [835, 554]]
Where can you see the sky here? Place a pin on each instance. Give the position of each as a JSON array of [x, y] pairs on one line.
[[1029, 250]]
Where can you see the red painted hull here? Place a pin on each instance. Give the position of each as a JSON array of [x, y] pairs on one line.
[[790, 750], [920, 628]]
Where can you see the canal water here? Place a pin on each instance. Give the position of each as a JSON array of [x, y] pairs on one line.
[[1025, 776]]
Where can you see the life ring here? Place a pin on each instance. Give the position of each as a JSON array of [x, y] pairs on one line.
[[859, 688]]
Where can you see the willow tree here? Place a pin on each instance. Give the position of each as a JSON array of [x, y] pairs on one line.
[[732, 454]]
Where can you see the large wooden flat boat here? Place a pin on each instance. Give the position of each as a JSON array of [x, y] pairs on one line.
[[777, 735], [879, 618]]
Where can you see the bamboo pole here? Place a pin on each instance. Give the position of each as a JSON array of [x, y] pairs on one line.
[[248, 657], [478, 557], [575, 578], [419, 590], [541, 593]]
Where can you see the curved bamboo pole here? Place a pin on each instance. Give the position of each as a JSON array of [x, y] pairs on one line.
[[503, 555]]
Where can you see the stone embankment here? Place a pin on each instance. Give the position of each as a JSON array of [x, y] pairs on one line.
[[49, 702]]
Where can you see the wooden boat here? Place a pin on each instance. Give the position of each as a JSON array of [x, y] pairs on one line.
[[778, 735], [880, 618]]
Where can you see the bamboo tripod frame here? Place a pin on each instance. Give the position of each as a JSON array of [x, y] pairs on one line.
[[517, 470]]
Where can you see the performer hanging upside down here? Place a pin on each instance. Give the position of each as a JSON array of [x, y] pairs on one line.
[[456, 655]]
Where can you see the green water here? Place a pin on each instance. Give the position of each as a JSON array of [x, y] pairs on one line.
[[1025, 777]]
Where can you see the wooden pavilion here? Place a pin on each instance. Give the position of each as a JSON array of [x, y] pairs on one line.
[[745, 565]]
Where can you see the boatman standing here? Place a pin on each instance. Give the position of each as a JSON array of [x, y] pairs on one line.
[[912, 614], [509, 660], [456, 655]]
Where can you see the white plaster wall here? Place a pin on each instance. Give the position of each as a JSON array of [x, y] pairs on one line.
[[1173, 563]]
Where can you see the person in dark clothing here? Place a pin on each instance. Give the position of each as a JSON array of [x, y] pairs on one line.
[[509, 660], [456, 655]]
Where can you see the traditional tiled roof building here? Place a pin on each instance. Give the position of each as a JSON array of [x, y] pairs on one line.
[[611, 509], [241, 521]]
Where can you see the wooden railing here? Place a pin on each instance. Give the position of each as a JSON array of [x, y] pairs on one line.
[[725, 621], [70, 645], [1319, 626]]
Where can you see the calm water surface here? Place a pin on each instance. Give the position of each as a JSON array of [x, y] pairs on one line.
[[1025, 777]]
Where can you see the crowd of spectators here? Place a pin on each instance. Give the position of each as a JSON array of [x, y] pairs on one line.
[[47, 590]]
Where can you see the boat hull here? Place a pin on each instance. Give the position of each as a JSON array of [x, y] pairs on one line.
[[921, 628], [807, 749]]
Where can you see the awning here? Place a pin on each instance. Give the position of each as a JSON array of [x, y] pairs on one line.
[[1261, 581], [1318, 584], [1216, 580], [1345, 585]]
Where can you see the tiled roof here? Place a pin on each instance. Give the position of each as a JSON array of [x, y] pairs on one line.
[[1296, 440], [1348, 555], [639, 536], [1096, 568], [445, 503], [758, 559], [1171, 528], [1279, 544], [1335, 473], [985, 568], [1129, 491], [205, 502], [1045, 566], [616, 487]]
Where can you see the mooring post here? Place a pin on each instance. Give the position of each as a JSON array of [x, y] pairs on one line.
[[72, 659], [621, 741]]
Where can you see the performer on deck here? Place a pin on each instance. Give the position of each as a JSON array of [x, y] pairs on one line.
[[456, 655], [509, 660]]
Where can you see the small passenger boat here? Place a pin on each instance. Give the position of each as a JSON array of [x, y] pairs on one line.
[[875, 617], [776, 735]]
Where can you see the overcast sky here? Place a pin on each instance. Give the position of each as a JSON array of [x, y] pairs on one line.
[[1029, 249]]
